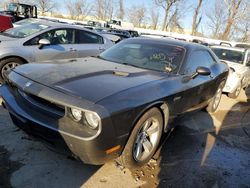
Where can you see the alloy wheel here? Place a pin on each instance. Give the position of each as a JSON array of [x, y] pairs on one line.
[[217, 98], [8, 67], [146, 139]]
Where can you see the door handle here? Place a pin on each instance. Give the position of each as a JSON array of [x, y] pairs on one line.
[[102, 49]]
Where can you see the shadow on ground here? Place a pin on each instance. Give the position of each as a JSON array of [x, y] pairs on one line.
[[205, 151]]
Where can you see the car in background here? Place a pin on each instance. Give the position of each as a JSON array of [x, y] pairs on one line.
[[6, 22], [133, 33], [239, 60], [116, 105], [115, 36], [45, 40]]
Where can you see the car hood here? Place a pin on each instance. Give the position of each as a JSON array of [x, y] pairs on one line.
[[90, 78], [238, 67]]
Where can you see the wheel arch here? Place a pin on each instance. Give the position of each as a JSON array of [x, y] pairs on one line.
[[15, 56], [162, 107]]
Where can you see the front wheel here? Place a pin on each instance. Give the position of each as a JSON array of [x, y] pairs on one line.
[[7, 65], [236, 93], [213, 105], [144, 140]]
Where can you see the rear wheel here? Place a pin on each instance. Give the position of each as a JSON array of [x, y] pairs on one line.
[[144, 140], [8, 64], [213, 105]]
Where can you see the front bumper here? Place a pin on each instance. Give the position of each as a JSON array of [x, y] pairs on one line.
[[61, 130], [232, 83]]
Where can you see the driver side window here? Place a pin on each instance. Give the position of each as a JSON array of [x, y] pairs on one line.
[[197, 59], [60, 36]]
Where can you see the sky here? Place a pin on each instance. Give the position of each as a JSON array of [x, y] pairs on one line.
[[185, 20]]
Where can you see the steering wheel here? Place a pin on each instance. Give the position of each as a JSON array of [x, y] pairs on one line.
[[168, 66]]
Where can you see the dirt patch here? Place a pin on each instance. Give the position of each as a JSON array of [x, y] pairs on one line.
[[7, 167]]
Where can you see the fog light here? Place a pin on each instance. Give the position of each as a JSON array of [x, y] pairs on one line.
[[92, 119], [77, 114]]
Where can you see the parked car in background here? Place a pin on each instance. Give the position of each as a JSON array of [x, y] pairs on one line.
[[118, 24], [114, 37], [5, 22], [119, 104], [133, 33], [45, 40], [20, 11], [239, 60]]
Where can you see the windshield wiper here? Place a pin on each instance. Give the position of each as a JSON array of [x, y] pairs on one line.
[[132, 65]]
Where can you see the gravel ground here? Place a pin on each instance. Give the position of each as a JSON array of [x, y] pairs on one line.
[[203, 151]]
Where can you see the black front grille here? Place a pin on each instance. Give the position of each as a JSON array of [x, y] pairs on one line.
[[43, 104]]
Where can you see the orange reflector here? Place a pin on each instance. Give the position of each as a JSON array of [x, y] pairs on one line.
[[113, 149]]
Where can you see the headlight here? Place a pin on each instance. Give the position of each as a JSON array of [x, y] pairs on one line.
[[92, 119], [77, 114]]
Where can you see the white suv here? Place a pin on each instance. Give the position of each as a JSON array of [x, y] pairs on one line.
[[239, 61]]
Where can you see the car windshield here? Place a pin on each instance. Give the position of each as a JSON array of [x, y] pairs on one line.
[[12, 7], [25, 30], [229, 55], [147, 55]]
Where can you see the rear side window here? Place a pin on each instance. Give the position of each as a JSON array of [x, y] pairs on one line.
[[196, 59], [85, 37]]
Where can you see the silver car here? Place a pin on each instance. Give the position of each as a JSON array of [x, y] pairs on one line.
[[45, 40], [239, 61]]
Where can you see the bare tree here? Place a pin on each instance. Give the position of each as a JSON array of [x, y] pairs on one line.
[[196, 23], [121, 10], [174, 22], [216, 19], [45, 5], [154, 16], [104, 9], [137, 15], [233, 7], [78, 8], [241, 27], [167, 5]]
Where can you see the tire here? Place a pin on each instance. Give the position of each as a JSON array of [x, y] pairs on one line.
[[141, 144], [213, 105], [8, 64], [236, 93]]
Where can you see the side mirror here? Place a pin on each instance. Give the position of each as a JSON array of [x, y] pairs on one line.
[[43, 42], [204, 71]]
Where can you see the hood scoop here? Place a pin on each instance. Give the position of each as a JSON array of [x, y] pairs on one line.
[[120, 73]]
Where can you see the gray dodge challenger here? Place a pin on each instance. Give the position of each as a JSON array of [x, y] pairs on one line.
[[117, 105]]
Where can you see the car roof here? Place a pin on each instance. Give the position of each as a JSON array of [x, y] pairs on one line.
[[229, 48], [175, 42]]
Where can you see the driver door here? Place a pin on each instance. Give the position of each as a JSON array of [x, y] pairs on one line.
[[199, 89], [61, 45]]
